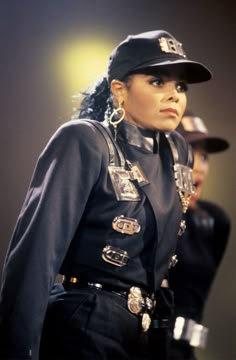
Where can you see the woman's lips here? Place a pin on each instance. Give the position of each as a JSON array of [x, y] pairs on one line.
[[170, 111]]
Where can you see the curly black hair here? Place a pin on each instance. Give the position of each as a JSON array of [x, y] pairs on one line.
[[97, 103]]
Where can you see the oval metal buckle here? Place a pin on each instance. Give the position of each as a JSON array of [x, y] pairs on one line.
[[126, 225]]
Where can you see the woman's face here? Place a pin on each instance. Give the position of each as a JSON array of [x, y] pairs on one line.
[[200, 172], [155, 102]]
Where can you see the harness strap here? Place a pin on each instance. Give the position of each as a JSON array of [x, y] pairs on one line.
[[174, 151], [173, 148], [105, 131]]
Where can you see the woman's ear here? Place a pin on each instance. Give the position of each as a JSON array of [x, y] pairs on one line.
[[118, 89]]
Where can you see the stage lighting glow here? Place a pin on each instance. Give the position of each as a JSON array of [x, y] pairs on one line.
[[82, 61]]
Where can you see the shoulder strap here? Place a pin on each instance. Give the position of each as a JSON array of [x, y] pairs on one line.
[[112, 145], [190, 156], [173, 148], [175, 153]]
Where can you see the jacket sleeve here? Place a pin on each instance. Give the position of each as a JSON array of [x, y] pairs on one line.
[[222, 228], [62, 181]]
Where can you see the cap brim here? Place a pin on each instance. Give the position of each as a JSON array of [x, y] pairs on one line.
[[191, 71], [210, 143]]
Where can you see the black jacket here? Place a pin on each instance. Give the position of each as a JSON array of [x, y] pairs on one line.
[[200, 251], [65, 223]]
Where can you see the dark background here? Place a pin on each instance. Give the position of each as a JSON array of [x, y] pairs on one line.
[[51, 49]]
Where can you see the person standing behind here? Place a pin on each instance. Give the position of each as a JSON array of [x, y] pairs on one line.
[[200, 249]]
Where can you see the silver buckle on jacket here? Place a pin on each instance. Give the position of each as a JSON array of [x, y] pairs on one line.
[[192, 332], [125, 225], [182, 227], [173, 261], [183, 178], [115, 256], [139, 305]]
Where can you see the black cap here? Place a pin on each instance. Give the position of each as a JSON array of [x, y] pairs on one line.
[[154, 49], [193, 129]]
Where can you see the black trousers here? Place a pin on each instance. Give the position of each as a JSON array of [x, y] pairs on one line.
[[93, 324], [180, 350]]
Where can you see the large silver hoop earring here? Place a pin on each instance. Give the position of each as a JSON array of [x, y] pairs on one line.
[[117, 116]]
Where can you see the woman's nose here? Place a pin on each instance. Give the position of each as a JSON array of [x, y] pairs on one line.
[[173, 94]]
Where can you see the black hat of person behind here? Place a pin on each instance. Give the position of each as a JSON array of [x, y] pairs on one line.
[[193, 129], [152, 50]]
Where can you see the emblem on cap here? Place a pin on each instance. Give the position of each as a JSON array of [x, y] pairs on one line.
[[170, 45]]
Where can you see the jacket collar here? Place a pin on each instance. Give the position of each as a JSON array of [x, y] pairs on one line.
[[142, 138]]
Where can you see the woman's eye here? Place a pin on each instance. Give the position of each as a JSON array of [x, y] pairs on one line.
[[204, 157], [158, 82], [182, 87]]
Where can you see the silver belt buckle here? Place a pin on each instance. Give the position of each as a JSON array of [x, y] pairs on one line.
[[146, 321], [136, 304], [135, 300]]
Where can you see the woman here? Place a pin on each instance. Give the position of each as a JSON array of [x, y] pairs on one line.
[[104, 210], [200, 249]]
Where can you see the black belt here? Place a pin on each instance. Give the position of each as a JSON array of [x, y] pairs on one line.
[[139, 302], [74, 282]]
